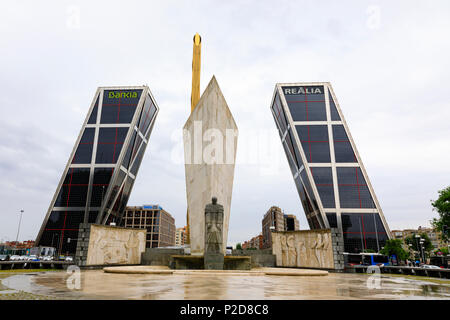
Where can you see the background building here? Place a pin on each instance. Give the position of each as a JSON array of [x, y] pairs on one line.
[[20, 244], [275, 218], [254, 243], [180, 236], [331, 180], [16, 248], [159, 223], [291, 223], [434, 235], [102, 167]]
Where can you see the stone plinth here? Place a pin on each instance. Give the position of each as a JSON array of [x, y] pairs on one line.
[[214, 261], [108, 245], [306, 249], [186, 262], [160, 256], [210, 141], [259, 258], [237, 263]]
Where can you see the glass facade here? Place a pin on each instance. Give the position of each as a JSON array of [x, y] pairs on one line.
[[324, 182], [307, 104], [99, 177], [315, 143], [353, 190], [329, 177], [363, 231], [343, 151]]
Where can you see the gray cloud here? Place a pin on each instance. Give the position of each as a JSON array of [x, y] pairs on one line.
[[389, 80]]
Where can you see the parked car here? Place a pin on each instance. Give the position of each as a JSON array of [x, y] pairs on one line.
[[4, 257], [14, 258], [429, 266], [23, 258], [47, 258], [68, 259], [33, 258]]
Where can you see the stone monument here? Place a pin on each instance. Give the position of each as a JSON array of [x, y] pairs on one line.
[[210, 142], [109, 245], [321, 249], [213, 256]]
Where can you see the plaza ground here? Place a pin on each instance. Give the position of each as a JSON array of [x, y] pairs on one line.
[[96, 284]]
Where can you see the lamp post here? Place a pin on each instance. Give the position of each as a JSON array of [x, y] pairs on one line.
[[18, 229], [417, 242], [411, 251], [422, 241]]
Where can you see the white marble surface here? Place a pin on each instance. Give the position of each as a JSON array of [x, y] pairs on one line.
[[115, 245], [209, 161], [306, 248]]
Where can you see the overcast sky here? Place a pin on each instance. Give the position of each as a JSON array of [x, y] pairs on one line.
[[388, 62]]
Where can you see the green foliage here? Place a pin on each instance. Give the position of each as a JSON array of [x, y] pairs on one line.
[[442, 206], [394, 246], [369, 251], [238, 246], [251, 249], [427, 245], [444, 250]]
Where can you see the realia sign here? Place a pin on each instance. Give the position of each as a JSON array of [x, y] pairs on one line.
[[299, 90]]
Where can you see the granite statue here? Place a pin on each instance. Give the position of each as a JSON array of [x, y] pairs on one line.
[[213, 254]]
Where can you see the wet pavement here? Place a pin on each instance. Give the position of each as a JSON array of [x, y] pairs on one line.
[[96, 284]]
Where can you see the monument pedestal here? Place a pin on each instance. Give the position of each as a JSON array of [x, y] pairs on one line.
[[214, 261], [187, 262]]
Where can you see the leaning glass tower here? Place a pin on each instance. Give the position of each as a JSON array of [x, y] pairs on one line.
[[330, 177], [98, 178]]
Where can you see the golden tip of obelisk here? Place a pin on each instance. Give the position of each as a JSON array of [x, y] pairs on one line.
[[197, 39]]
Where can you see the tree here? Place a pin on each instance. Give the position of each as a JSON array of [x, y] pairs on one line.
[[414, 242], [444, 251], [442, 206], [238, 246], [394, 247]]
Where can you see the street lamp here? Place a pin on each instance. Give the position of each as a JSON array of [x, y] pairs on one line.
[[411, 252], [18, 229], [417, 242], [422, 241]]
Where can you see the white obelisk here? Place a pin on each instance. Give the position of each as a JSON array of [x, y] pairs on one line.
[[210, 142]]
